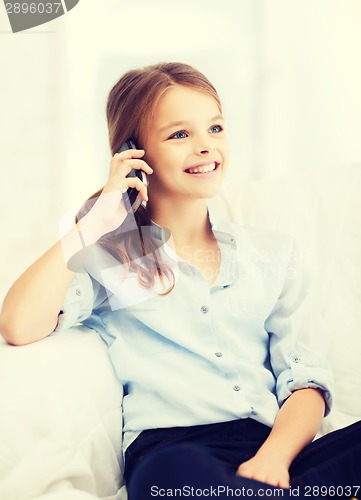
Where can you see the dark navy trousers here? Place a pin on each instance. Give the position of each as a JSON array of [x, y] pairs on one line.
[[201, 462]]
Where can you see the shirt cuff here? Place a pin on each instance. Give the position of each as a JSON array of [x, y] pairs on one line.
[[78, 303], [301, 376]]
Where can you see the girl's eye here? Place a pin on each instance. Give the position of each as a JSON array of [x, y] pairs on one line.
[[182, 134], [216, 128]]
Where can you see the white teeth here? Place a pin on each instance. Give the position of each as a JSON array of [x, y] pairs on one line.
[[201, 170]]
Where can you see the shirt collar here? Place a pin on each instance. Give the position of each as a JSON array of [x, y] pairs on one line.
[[222, 228]]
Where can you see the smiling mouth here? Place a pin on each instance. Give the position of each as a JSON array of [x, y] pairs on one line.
[[204, 169]]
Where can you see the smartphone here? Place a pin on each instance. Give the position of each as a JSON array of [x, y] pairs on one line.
[[132, 199]]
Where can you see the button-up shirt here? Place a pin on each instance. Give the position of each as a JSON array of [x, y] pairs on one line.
[[204, 354]]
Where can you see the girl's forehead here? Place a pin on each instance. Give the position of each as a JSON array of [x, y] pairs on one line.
[[181, 100], [179, 103]]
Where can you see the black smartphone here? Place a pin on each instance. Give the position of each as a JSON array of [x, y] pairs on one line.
[[132, 199]]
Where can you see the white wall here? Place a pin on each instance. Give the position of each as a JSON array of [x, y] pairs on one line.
[[288, 72], [308, 100], [30, 142]]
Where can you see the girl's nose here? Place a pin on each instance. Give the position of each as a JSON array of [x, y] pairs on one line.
[[206, 150]]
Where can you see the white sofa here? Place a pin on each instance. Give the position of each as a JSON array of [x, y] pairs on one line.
[[60, 417]]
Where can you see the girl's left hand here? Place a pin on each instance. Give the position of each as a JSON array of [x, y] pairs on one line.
[[266, 470]]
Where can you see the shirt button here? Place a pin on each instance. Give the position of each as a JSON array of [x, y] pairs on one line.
[[236, 388], [78, 291], [204, 309], [218, 354], [296, 359]]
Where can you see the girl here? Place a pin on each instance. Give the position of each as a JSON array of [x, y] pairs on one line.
[[212, 343]]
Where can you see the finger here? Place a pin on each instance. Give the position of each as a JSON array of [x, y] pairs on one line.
[[284, 482], [135, 182], [127, 164], [243, 473], [130, 153], [138, 165]]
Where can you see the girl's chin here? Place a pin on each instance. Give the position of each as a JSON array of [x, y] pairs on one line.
[[210, 192], [200, 192]]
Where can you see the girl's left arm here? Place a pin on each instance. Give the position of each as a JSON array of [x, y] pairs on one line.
[[296, 424]]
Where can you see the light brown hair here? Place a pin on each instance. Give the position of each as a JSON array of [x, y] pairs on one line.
[[130, 109]]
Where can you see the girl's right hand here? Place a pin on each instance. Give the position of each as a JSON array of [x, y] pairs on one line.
[[109, 211]]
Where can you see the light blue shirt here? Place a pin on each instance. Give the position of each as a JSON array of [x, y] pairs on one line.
[[203, 354]]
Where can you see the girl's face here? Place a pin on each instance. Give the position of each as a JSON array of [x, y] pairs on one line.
[[186, 145]]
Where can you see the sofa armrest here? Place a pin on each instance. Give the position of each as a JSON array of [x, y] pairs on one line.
[[61, 418]]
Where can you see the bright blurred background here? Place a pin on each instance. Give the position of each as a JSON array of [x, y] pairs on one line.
[[288, 72]]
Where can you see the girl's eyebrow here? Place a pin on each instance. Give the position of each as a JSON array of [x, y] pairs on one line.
[[186, 123]]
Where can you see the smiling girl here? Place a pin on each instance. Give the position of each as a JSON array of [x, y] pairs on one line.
[[220, 387]]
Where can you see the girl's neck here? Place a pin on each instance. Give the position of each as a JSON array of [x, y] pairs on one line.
[[188, 221]]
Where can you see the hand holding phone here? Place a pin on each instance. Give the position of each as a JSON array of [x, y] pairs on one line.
[[123, 193], [132, 198]]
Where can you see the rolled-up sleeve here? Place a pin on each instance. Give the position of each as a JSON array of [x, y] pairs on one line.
[[82, 296], [298, 335]]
